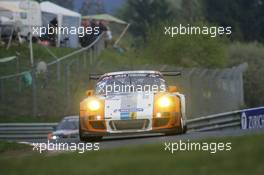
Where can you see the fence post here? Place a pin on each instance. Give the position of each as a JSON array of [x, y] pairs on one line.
[[78, 65], [58, 71], [2, 89], [18, 70], [68, 84], [34, 93], [84, 59], [91, 57]]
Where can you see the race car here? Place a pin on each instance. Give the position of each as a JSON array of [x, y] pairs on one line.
[[67, 128], [128, 102]]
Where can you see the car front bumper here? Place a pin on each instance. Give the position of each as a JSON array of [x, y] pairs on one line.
[[125, 127]]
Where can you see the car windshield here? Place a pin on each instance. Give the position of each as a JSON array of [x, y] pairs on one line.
[[125, 82], [68, 124]]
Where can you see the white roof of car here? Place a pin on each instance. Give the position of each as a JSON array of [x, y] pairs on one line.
[[132, 72], [71, 117]]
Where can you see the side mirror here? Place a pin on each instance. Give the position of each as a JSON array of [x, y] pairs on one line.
[[89, 93], [172, 89]]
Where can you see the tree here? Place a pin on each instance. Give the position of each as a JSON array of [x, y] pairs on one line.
[[253, 54], [185, 50], [90, 7], [64, 3], [142, 14], [244, 16]]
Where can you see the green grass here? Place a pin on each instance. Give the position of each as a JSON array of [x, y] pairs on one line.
[[7, 147], [246, 157], [40, 54]]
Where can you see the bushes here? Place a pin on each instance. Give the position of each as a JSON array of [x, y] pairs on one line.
[[253, 54], [185, 50]]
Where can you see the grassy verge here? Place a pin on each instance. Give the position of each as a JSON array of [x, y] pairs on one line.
[[51, 93], [246, 157], [22, 52], [7, 147]]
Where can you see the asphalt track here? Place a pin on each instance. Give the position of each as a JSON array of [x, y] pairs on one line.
[[135, 140]]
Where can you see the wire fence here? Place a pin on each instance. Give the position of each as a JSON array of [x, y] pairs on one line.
[[50, 92]]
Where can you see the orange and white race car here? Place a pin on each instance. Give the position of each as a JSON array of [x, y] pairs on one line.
[[131, 102]]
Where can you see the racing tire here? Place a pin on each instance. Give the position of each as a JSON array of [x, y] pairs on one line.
[[179, 130], [174, 132], [184, 130], [90, 138]]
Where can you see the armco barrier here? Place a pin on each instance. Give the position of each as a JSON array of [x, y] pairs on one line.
[[226, 120], [17, 131], [251, 118]]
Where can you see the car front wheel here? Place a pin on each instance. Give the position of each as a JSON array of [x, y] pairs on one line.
[[90, 138]]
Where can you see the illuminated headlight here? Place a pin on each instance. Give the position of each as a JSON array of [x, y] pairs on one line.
[[164, 102], [93, 105], [54, 137], [98, 117], [158, 115]]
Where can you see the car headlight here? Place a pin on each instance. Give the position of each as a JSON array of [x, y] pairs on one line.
[[93, 105], [54, 137], [164, 102]]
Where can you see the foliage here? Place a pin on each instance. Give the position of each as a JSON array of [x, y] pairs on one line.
[[245, 17], [91, 7], [50, 92], [185, 50], [253, 54], [64, 3], [143, 14], [12, 146]]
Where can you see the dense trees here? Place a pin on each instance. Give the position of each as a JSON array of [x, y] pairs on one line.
[[64, 3], [253, 54], [90, 7], [246, 17], [142, 14]]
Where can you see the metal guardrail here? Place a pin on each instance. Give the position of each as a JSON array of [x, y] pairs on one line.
[[215, 122], [17, 131], [20, 131], [219, 121]]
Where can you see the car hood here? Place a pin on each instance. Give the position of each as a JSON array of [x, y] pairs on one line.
[[129, 106], [65, 132]]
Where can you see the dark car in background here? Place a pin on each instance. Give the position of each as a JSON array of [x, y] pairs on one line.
[[67, 128]]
